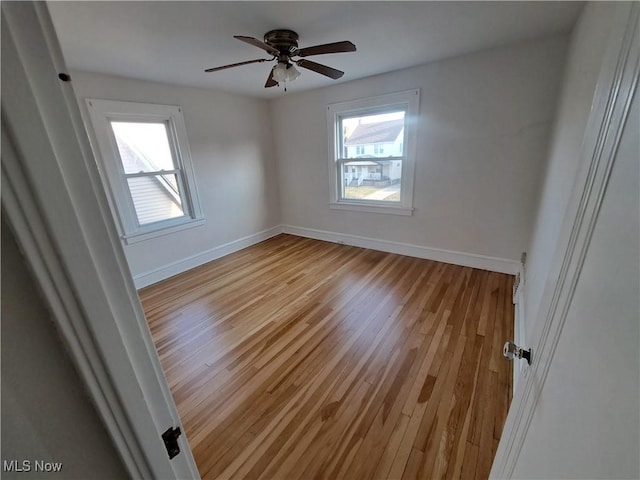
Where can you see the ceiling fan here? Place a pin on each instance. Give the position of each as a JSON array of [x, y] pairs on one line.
[[283, 45]]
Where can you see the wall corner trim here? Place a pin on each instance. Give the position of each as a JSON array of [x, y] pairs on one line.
[[472, 260]]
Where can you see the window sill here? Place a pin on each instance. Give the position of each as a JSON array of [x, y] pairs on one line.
[[368, 208], [160, 231]]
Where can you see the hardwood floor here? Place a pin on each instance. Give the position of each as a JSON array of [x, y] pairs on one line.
[[297, 358]]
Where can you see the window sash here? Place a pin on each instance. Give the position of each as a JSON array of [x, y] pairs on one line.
[[341, 186], [373, 159], [167, 130], [181, 190], [152, 173], [387, 109], [153, 201]]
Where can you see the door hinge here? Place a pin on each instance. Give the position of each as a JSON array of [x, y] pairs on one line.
[[170, 438]]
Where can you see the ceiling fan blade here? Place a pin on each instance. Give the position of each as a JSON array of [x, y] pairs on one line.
[[336, 47], [257, 43], [224, 67], [321, 69], [270, 81]]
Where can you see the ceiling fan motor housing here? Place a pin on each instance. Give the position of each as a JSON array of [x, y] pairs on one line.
[[285, 41]]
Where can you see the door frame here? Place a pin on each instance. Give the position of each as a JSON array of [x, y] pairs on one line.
[[56, 206], [615, 88]]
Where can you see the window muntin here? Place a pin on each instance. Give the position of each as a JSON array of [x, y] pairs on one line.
[[145, 156], [359, 168]]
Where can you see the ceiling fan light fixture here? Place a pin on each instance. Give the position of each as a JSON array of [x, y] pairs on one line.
[[293, 72], [285, 72]]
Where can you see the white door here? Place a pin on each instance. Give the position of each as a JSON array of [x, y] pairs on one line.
[[585, 424], [55, 203], [575, 413]]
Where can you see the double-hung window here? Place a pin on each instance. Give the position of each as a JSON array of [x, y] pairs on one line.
[[372, 149], [145, 156]]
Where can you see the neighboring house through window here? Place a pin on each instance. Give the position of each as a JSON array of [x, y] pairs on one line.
[[146, 159], [372, 158]]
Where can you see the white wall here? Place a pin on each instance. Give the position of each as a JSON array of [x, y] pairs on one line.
[[588, 42], [230, 142], [485, 125], [485, 122], [585, 424], [46, 411]]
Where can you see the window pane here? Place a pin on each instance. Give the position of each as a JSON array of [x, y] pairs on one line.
[[143, 147], [372, 136], [155, 198], [371, 180]]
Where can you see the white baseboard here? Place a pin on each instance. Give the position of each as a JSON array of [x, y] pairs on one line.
[[482, 262], [174, 268]]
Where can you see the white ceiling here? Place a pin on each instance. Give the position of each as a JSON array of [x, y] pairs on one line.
[[174, 41]]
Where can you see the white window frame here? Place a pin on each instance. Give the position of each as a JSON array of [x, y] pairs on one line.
[[102, 113], [409, 101]]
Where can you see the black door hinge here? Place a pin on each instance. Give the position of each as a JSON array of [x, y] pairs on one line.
[[170, 438]]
